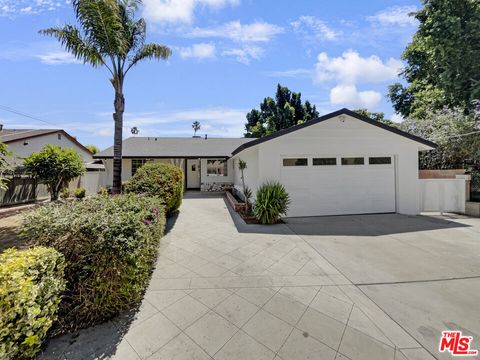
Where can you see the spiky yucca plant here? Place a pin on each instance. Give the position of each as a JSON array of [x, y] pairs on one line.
[[271, 202]]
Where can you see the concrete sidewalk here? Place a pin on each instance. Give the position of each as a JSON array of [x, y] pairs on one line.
[[225, 290]]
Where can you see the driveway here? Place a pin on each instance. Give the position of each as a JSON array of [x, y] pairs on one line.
[[353, 287]]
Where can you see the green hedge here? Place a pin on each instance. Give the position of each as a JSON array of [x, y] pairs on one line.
[[158, 179], [31, 282], [110, 244]]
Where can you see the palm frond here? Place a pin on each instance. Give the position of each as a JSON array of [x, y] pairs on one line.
[[150, 51], [102, 25], [71, 39]]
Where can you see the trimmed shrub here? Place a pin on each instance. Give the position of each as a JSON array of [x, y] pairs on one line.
[[110, 244], [65, 193], [30, 285], [158, 179], [103, 191], [271, 202], [79, 193]]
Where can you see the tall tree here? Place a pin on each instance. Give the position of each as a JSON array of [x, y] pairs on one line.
[[443, 60], [195, 126], [457, 135], [110, 35], [377, 116], [285, 111]]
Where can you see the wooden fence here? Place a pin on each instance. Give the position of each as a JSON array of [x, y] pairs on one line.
[[22, 189]]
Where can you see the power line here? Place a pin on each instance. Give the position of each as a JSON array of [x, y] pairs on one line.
[[21, 113], [33, 117]]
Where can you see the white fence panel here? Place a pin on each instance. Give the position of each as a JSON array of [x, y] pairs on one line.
[[443, 195]]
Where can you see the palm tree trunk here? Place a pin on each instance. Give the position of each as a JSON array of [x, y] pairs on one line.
[[117, 141]]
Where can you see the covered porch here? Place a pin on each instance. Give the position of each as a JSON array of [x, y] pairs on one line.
[[201, 173]]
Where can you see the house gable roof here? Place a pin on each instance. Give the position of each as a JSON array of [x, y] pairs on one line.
[[164, 147], [12, 135], [320, 119]]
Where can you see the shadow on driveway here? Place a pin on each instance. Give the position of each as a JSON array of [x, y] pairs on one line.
[[348, 225]]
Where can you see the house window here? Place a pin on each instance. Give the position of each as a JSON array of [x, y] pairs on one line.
[[59, 136], [137, 164], [324, 161], [217, 167], [353, 161], [295, 162], [380, 160]]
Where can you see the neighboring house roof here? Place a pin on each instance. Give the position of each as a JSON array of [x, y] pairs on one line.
[[329, 116], [13, 135], [163, 147]]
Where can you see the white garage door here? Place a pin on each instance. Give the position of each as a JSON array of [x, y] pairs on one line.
[[339, 185]]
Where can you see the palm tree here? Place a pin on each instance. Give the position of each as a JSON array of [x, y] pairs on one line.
[[196, 127], [110, 36]]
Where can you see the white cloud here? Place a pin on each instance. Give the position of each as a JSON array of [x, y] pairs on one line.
[[245, 54], [179, 11], [257, 31], [348, 95], [216, 121], [292, 73], [395, 15], [351, 68], [198, 51], [57, 58], [29, 7], [314, 29]]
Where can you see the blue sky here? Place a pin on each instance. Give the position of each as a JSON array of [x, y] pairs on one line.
[[227, 56]]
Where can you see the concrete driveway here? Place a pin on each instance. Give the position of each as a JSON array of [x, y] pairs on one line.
[[355, 287], [423, 271]]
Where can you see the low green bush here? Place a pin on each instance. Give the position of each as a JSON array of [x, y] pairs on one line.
[[103, 191], [158, 179], [79, 193], [65, 193], [31, 282], [110, 244], [271, 203]]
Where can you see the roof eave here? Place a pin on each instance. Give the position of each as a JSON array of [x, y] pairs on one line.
[[430, 145]]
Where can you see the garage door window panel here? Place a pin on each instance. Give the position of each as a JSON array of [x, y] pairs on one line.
[[326, 161], [295, 162], [380, 160], [353, 161]]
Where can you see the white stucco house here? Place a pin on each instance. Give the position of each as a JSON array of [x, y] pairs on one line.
[[340, 163], [23, 142]]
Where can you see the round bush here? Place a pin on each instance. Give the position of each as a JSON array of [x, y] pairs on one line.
[[159, 179], [110, 244], [31, 282], [271, 202], [80, 193]]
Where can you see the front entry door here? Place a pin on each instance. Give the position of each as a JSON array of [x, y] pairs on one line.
[[193, 173]]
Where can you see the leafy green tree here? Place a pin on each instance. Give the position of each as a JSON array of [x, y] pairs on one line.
[[93, 149], [110, 35], [55, 167], [285, 111], [456, 134], [4, 154], [377, 116], [443, 60]]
